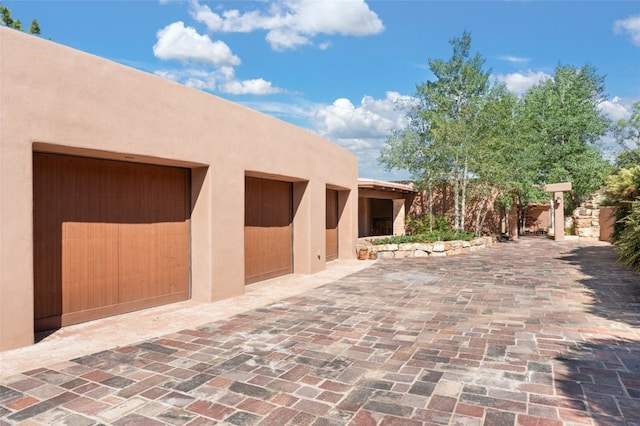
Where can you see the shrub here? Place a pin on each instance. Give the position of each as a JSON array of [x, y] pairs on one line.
[[428, 237], [622, 210], [628, 242], [426, 224]]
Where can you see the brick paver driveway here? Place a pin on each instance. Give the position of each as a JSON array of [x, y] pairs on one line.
[[531, 332]]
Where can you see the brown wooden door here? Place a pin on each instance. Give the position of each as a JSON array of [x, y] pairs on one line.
[[332, 225], [109, 237], [268, 245]]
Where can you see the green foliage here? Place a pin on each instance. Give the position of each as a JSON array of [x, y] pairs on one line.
[[34, 28], [624, 184], [504, 201], [427, 229], [8, 21], [621, 190], [620, 213], [428, 223], [627, 133], [628, 243], [463, 129], [562, 122], [442, 139], [430, 237]]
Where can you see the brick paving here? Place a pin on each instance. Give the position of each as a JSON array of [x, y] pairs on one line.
[[532, 332]]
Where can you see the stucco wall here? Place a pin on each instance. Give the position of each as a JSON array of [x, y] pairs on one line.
[[607, 220], [57, 99]]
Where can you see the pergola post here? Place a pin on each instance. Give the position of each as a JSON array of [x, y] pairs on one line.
[[558, 207]]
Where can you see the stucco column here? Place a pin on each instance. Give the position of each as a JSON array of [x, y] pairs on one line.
[[307, 243], [558, 216], [202, 235], [347, 222], [398, 217], [558, 207]]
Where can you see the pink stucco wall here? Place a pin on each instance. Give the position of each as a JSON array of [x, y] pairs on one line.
[[57, 99]]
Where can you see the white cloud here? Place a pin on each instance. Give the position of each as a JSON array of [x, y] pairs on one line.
[[520, 82], [175, 41], [616, 109], [222, 80], [192, 77], [256, 86], [293, 23], [514, 59], [373, 118], [363, 129], [283, 39], [631, 26], [298, 111]]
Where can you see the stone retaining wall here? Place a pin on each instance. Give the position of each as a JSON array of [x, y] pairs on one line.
[[367, 250], [586, 222]]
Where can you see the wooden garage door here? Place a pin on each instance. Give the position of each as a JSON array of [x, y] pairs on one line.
[[268, 245], [109, 237], [332, 225]]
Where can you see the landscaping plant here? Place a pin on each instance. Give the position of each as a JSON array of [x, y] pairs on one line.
[[628, 243]]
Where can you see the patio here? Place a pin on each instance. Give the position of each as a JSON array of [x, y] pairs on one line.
[[533, 332]]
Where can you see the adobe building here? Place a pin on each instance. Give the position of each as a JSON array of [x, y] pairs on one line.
[[382, 207], [120, 190]]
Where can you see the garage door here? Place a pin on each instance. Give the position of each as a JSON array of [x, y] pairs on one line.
[[332, 225], [109, 237], [268, 245]]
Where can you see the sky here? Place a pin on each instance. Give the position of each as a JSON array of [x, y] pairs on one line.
[[342, 68]]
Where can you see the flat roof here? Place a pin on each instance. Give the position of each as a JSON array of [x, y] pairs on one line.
[[380, 185]]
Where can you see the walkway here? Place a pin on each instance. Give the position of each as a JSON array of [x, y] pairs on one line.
[[533, 332]]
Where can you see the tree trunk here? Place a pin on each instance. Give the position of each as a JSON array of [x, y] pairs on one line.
[[422, 209], [507, 224], [484, 217], [430, 207], [463, 195], [479, 214], [456, 206]]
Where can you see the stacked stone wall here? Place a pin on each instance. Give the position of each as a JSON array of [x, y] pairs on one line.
[[586, 222], [367, 250]]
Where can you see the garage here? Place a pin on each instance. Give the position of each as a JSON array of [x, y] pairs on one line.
[[109, 237], [331, 243], [268, 231]]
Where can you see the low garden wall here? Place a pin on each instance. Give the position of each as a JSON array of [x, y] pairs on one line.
[[366, 250]]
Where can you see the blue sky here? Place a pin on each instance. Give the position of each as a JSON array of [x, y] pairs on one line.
[[339, 67]]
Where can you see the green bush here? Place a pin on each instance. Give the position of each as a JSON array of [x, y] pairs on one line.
[[622, 210], [427, 223], [427, 237], [628, 242], [419, 231]]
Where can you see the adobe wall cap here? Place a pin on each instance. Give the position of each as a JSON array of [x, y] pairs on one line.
[[558, 187]]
